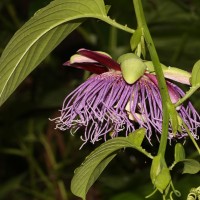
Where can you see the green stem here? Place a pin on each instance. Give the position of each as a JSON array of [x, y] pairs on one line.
[[187, 95], [112, 40], [112, 22], [159, 74], [150, 195], [191, 136], [62, 190]]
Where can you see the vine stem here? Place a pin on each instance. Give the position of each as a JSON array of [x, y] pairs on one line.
[[187, 95], [159, 74], [191, 136]]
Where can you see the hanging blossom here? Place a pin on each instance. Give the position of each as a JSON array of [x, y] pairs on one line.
[[105, 105]]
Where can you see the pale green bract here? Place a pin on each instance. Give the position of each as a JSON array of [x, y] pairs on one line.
[[132, 67]]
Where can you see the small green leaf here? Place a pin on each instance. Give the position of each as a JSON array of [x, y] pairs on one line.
[[160, 175], [195, 80], [179, 153], [155, 168], [191, 166], [136, 38], [163, 179], [95, 163], [132, 67], [137, 137]]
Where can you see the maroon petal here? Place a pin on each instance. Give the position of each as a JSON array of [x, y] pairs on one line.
[[101, 58], [174, 95], [91, 67]]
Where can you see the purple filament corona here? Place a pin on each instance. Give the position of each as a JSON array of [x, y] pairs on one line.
[[105, 105]]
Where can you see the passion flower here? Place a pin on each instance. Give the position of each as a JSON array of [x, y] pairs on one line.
[[106, 105]]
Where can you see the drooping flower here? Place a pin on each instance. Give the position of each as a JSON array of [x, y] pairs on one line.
[[105, 105]]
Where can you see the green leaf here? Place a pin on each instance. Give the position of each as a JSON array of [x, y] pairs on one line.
[[95, 163], [160, 175], [179, 153], [155, 168], [195, 80], [191, 166], [163, 179], [41, 34], [137, 137], [136, 38], [87, 174]]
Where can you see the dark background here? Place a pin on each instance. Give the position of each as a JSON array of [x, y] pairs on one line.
[[37, 162]]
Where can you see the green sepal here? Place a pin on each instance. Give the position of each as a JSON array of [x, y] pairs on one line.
[[177, 74]]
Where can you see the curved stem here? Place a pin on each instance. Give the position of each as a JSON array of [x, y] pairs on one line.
[[187, 95], [191, 136], [159, 74]]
